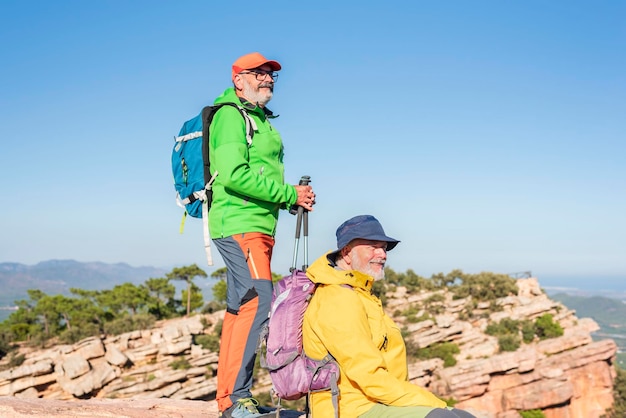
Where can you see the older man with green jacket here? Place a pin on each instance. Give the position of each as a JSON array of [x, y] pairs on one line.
[[248, 191]]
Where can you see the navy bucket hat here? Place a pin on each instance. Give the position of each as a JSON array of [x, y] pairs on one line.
[[363, 227]]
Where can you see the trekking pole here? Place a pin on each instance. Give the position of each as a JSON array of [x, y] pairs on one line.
[[305, 216], [295, 248], [304, 181]]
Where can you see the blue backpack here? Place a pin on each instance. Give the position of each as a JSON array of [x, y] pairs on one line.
[[190, 166]]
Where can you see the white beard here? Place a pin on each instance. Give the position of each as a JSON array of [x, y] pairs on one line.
[[258, 95], [368, 267]]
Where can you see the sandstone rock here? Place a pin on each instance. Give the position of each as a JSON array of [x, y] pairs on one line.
[[109, 408], [480, 346], [142, 353], [164, 392], [16, 386], [30, 393], [529, 287], [90, 348], [538, 395], [570, 376], [167, 379], [73, 366], [593, 390], [176, 346], [197, 391], [170, 333], [204, 359], [37, 369], [115, 356]]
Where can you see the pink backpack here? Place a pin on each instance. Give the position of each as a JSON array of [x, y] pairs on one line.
[[293, 374]]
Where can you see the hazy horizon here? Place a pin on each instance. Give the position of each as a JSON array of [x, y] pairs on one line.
[[485, 136]]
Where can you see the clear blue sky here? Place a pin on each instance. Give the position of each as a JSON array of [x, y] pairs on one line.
[[486, 136]]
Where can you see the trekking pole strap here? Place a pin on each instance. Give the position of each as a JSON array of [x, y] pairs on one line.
[[306, 240], [295, 249]]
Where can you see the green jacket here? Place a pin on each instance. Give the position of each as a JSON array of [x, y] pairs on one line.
[[350, 323], [249, 189]]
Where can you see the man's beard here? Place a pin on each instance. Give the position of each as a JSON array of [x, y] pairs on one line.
[[367, 268], [258, 96]]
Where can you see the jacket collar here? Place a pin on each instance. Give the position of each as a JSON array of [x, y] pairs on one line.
[[254, 108], [352, 278]]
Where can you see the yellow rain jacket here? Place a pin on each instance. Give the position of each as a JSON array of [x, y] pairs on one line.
[[350, 324]]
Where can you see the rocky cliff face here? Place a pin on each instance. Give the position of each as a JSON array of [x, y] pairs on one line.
[[567, 377]]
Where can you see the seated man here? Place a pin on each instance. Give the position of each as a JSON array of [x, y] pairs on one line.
[[346, 320]]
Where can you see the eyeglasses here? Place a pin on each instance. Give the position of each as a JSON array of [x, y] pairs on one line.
[[260, 75]]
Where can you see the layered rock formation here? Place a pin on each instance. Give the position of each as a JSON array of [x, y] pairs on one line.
[[156, 363], [566, 377]]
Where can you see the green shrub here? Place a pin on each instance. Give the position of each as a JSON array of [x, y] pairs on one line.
[[509, 342], [435, 298], [74, 335], [546, 328], [5, 341], [208, 341], [16, 360], [619, 395], [503, 327], [528, 331], [436, 309], [213, 306], [127, 323], [218, 327], [412, 309], [450, 402], [533, 413], [444, 351], [379, 289], [180, 364], [20, 331], [508, 330], [464, 315], [485, 286]]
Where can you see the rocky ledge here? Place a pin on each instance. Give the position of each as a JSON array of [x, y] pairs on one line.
[[11, 407], [161, 372]]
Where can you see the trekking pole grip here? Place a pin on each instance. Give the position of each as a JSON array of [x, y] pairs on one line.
[[304, 181], [302, 215]]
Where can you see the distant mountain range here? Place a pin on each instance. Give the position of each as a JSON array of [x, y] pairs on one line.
[[58, 276]]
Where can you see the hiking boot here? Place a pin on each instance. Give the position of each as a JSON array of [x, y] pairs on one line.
[[246, 408]]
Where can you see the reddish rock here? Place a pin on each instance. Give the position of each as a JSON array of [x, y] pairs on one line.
[[161, 373]]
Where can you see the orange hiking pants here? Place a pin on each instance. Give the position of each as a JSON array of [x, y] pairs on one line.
[[248, 298]]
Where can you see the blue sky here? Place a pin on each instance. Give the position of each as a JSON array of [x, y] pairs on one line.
[[486, 136]]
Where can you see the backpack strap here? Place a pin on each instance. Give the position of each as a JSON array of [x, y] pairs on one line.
[[334, 385], [334, 390], [206, 194]]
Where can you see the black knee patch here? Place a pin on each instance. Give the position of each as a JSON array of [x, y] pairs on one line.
[[250, 294]]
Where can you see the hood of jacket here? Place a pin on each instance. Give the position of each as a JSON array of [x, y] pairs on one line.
[[324, 271]]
